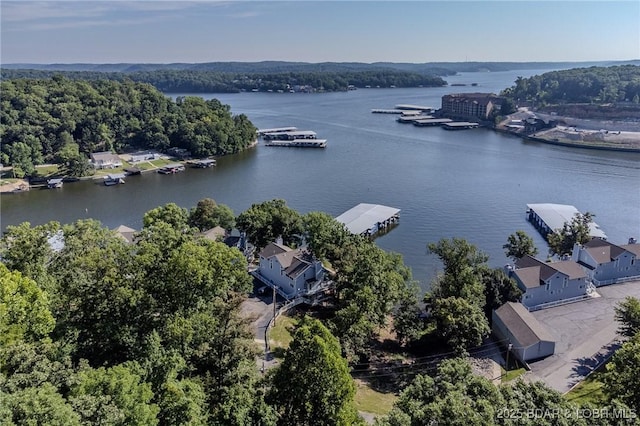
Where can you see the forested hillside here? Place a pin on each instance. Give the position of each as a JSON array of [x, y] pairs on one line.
[[579, 85], [60, 120], [197, 80]]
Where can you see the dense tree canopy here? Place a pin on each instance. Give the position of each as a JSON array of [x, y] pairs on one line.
[[203, 81], [142, 333], [265, 222], [579, 85], [63, 121]]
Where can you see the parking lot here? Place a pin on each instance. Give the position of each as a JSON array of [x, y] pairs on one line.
[[586, 334]]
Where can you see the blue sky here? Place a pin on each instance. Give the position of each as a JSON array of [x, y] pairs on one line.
[[359, 31]]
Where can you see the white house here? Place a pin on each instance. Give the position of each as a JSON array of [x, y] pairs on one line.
[[105, 160], [529, 339], [608, 263], [543, 282], [292, 272]]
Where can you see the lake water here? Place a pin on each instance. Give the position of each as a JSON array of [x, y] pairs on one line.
[[472, 184]]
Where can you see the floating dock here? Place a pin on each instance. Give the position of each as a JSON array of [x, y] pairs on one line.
[[367, 219], [387, 111], [459, 125], [290, 136], [546, 218], [203, 164], [415, 107], [263, 132], [428, 122], [299, 143], [171, 169], [114, 179], [413, 118]]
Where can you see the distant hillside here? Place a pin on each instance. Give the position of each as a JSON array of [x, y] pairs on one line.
[[592, 85], [431, 68], [199, 81]]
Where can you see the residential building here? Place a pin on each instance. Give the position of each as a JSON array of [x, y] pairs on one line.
[[105, 160], [470, 105], [607, 263], [291, 272], [544, 282], [126, 233], [518, 329]]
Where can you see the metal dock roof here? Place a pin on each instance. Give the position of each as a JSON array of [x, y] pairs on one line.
[[277, 130], [555, 215], [364, 216], [415, 107]]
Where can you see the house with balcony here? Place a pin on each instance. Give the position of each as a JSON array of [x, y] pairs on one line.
[[547, 283], [607, 263], [291, 272]]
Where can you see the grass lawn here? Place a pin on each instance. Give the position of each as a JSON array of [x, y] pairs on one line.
[[372, 401], [48, 170], [280, 335], [7, 181], [510, 375], [589, 390]]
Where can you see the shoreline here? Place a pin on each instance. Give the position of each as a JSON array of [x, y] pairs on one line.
[[567, 144], [19, 186]]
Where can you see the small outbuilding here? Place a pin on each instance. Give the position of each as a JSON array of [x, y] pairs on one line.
[[515, 325]]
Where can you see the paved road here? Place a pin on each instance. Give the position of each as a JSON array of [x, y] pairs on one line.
[[586, 335]]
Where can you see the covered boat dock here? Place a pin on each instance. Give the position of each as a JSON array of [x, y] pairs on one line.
[[548, 217], [367, 219]]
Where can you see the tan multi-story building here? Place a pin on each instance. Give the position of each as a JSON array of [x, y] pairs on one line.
[[477, 105]]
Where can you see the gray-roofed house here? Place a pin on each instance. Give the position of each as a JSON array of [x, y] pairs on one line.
[[126, 233], [607, 263], [292, 272], [530, 340], [543, 282], [217, 233], [105, 160]]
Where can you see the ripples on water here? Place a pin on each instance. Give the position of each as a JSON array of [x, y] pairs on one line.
[[472, 184]]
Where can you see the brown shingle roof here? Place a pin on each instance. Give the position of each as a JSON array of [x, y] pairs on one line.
[[530, 276], [273, 249], [522, 324], [633, 248], [570, 268]]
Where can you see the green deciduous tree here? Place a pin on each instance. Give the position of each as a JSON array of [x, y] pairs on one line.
[[312, 386], [628, 315], [461, 324], [461, 278], [171, 214], [518, 245], [498, 289], [24, 309], [621, 377], [41, 405], [264, 222], [208, 214], [115, 395], [561, 241]]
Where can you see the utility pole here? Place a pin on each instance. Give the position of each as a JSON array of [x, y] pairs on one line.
[[508, 350]]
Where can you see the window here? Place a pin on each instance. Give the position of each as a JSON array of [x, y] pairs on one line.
[[565, 282], [547, 287]]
